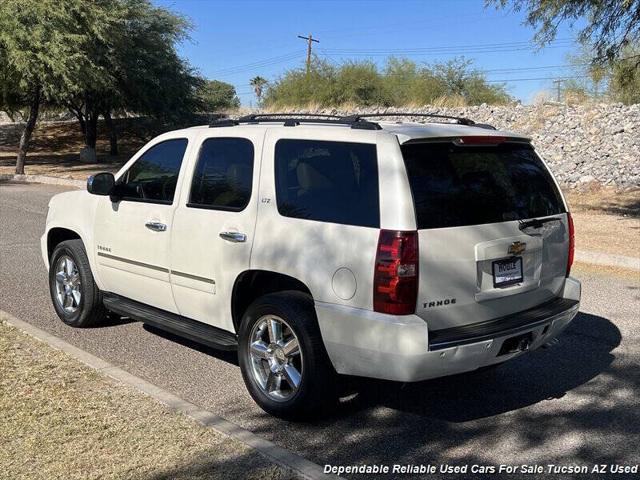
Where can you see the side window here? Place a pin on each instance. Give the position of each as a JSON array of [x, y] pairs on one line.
[[223, 175], [154, 176], [333, 182]]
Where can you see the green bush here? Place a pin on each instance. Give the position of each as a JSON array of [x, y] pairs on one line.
[[400, 83]]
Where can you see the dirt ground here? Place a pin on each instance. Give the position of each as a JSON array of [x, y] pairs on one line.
[[606, 220], [55, 147], [61, 419]]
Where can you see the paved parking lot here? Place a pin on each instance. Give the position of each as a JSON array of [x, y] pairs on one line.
[[574, 404]]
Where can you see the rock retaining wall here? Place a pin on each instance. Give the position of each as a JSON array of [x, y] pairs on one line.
[[582, 144]]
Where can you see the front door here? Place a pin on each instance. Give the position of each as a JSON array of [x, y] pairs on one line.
[[213, 227], [133, 234]]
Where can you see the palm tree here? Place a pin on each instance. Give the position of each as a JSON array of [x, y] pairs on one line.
[[258, 83]]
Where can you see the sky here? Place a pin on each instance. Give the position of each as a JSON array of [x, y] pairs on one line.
[[235, 40]]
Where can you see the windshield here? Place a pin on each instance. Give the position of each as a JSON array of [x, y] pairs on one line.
[[456, 186]]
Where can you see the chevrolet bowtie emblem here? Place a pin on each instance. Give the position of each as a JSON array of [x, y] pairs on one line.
[[516, 248]]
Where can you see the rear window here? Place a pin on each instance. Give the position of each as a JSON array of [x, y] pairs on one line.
[[454, 186], [333, 182]]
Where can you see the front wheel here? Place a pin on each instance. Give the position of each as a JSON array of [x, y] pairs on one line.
[[282, 357], [75, 295]]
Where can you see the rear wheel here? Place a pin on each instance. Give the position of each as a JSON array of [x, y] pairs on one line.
[[284, 364], [76, 298]]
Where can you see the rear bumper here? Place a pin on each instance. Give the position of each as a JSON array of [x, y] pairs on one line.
[[369, 344]]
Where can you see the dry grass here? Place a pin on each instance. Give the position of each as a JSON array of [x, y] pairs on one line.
[[450, 101], [60, 419]]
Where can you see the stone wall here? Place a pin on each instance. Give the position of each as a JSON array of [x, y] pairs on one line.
[[582, 144]]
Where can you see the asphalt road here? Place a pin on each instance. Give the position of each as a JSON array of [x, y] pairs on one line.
[[574, 404]]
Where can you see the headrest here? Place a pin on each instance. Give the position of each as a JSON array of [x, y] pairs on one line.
[[311, 179], [238, 174]]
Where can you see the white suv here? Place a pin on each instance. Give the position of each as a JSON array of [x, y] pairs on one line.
[[321, 245]]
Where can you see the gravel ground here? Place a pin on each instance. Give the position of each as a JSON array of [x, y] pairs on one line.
[[61, 419], [574, 404]]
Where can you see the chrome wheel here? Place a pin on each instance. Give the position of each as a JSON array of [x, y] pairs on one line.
[[68, 293], [276, 359]]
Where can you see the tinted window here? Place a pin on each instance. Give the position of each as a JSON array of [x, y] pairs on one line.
[[328, 181], [223, 175], [154, 176], [455, 186]]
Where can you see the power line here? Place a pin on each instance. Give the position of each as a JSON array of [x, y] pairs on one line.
[[443, 48], [259, 63], [508, 80]]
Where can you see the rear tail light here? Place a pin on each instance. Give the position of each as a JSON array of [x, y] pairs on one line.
[[395, 280], [572, 243]]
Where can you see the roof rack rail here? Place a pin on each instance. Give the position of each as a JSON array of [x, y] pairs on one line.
[[255, 117], [459, 120], [223, 122], [293, 119], [356, 121]]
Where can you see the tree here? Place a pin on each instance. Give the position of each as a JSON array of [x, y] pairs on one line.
[[610, 24], [359, 83], [140, 70], [616, 80], [11, 98], [258, 83], [460, 79], [217, 95], [624, 82], [43, 49]]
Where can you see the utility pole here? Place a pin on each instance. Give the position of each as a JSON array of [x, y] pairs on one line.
[[309, 40], [558, 83]]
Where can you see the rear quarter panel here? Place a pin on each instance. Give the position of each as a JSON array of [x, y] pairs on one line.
[[331, 259]]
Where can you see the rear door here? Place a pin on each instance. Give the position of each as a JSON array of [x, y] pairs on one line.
[[214, 225], [479, 258]]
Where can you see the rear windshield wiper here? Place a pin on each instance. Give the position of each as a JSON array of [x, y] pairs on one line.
[[536, 222]]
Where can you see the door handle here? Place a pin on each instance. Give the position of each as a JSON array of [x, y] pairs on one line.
[[156, 226], [234, 237]]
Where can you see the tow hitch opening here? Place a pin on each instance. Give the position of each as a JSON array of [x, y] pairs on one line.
[[520, 343]]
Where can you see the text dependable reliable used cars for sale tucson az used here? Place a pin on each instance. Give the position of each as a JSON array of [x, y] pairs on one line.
[[320, 246]]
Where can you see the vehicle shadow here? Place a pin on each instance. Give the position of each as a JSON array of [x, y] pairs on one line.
[[226, 356], [112, 320]]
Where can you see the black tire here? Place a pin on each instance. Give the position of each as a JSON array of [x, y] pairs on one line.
[[90, 310], [317, 389]]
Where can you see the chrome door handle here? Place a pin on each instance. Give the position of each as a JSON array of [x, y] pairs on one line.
[[156, 226], [234, 237]]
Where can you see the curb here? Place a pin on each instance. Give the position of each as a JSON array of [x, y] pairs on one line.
[[608, 259], [70, 182], [281, 456]]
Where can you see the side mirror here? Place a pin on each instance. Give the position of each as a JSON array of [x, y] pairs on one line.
[[101, 183]]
